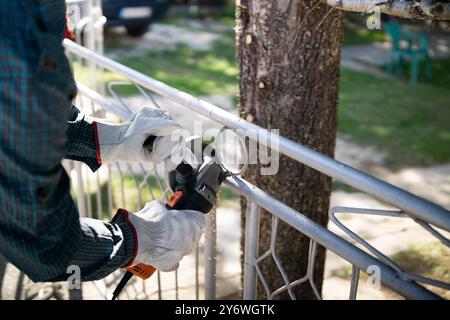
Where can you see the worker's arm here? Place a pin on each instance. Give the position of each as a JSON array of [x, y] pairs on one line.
[[40, 229], [96, 141]]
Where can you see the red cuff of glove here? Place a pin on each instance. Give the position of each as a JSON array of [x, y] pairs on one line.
[[68, 33], [97, 143], [121, 218]]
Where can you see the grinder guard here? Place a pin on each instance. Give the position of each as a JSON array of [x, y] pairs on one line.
[[195, 189]]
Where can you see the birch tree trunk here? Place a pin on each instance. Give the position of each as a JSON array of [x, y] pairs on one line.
[[289, 80]]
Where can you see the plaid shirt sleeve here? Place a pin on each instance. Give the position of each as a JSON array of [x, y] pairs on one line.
[[40, 229], [82, 140]]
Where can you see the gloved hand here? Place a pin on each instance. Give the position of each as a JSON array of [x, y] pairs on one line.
[[164, 236], [125, 141]]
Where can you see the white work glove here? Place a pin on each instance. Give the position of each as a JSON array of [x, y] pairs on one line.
[[164, 236], [125, 141]]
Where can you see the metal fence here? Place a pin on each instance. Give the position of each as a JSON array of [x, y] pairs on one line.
[[429, 215], [131, 185]]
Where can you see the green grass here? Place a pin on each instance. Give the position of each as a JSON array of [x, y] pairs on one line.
[[440, 75], [196, 72], [199, 73], [83, 75], [428, 259], [431, 259], [409, 123]]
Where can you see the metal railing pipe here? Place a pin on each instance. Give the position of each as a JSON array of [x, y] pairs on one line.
[[415, 206]]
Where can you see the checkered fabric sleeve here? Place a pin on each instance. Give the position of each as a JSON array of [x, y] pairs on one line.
[[40, 228], [82, 141]]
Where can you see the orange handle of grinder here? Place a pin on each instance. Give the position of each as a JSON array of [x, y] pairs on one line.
[[143, 271]]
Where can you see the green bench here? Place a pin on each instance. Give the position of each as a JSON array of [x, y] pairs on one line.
[[415, 51]]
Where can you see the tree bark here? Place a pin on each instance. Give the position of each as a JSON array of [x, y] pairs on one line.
[[289, 80]]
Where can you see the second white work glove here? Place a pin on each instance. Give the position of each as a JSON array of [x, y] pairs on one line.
[[125, 141], [163, 236]]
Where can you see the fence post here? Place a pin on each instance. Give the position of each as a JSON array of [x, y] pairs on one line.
[[251, 250], [210, 255]]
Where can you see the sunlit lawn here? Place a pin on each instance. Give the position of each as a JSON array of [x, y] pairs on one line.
[[197, 72], [410, 123]]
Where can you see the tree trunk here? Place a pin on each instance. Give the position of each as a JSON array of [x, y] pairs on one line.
[[289, 80]]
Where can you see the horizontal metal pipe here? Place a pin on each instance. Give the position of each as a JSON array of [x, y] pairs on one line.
[[329, 240], [413, 205]]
